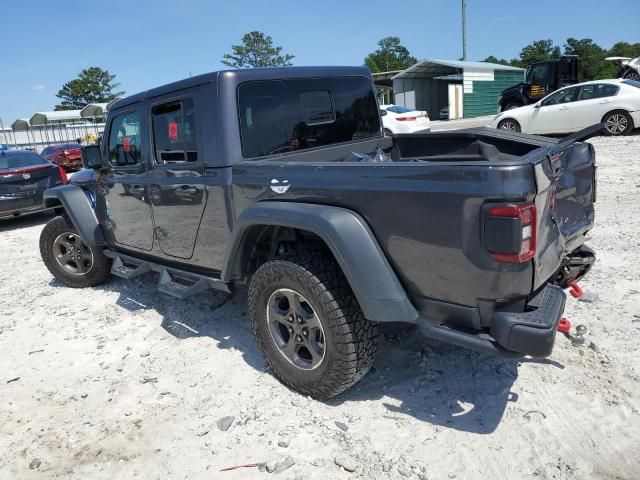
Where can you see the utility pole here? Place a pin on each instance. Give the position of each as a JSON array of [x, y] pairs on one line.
[[464, 29]]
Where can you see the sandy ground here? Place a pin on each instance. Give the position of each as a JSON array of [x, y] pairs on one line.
[[122, 382]]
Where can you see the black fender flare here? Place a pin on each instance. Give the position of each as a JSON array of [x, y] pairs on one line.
[[353, 244], [79, 211]]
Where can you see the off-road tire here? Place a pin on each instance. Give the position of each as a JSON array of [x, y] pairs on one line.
[[609, 117], [351, 341], [100, 269], [515, 125]]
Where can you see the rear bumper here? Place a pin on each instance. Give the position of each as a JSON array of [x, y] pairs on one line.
[[531, 333], [10, 206], [512, 334]]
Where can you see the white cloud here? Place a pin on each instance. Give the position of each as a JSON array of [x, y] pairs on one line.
[[38, 87]]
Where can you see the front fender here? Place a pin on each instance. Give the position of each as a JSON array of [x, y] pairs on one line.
[[355, 248], [79, 211]]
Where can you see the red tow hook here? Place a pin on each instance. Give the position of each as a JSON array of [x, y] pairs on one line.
[[564, 325], [575, 291]]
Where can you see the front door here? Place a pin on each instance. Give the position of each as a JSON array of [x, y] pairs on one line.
[[553, 115], [177, 191], [126, 213]]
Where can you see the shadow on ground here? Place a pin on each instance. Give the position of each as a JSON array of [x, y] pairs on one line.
[[414, 376], [24, 221]]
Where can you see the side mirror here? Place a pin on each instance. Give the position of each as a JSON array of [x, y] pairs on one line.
[[91, 157], [537, 105]]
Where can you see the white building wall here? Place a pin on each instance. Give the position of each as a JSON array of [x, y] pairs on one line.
[[469, 76]]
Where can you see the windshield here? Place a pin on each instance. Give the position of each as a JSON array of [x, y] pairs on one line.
[[399, 109], [13, 160], [633, 83]]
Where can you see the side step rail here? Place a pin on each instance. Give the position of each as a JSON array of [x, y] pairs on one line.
[[173, 281]]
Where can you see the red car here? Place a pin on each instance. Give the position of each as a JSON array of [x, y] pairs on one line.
[[66, 155]]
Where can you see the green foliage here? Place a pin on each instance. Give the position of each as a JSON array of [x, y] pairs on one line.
[[257, 50], [93, 85], [538, 51], [391, 55], [591, 63]]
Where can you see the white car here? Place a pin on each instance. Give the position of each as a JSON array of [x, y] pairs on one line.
[[397, 119], [616, 103]]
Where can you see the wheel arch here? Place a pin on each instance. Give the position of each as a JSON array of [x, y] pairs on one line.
[[343, 232], [76, 205], [626, 111]]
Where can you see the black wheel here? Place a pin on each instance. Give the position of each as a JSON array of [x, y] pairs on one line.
[[617, 123], [509, 124], [511, 106], [631, 75], [69, 258], [387, 132], [309, 325]]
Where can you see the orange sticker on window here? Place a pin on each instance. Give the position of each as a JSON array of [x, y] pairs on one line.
[[126, 143], [173, 131]]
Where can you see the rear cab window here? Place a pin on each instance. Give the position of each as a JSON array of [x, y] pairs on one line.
[[281, 116], [633, 83], [597, 90], [124, 140]]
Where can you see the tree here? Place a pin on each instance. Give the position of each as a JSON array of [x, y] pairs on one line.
[[391, 55], [624, 49], [257, 50], [538, 51], [499, 61], [93, 85], [591, 63]]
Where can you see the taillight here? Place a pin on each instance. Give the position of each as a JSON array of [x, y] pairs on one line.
[[406, 119], [63, 175], [525, 222]]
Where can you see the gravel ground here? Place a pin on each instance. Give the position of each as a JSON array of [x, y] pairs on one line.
[[122, 382]]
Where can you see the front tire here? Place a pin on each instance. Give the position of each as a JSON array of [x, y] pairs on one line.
[[309, 325], [617, 123], [69, 258], [510, 125]]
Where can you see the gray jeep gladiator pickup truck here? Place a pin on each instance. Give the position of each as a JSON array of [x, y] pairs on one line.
[[282, 179]]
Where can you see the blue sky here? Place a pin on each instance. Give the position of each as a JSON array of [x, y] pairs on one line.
[[148, 43]]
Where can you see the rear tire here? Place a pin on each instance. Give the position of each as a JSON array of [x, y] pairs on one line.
[[69, 258], [339, 348], [631, 75], [617, 123], [509, 124]]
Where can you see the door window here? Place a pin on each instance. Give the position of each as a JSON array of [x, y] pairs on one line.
[[174, 132], [597, 90], [124, 140], [561, 96]]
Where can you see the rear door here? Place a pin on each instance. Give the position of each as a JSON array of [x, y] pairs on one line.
[[594, 101], [177, 190]]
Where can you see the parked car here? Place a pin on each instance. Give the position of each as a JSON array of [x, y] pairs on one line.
[[613, 102], [397, 119], [470, 235], [24, 176], [629, 67], [67, 155]]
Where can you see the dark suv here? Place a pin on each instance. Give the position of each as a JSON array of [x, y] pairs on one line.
[[281, 179]]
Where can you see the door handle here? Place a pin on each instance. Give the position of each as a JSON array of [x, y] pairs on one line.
[[605, 101], [184, 190], [564, 108], [137, 188]]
